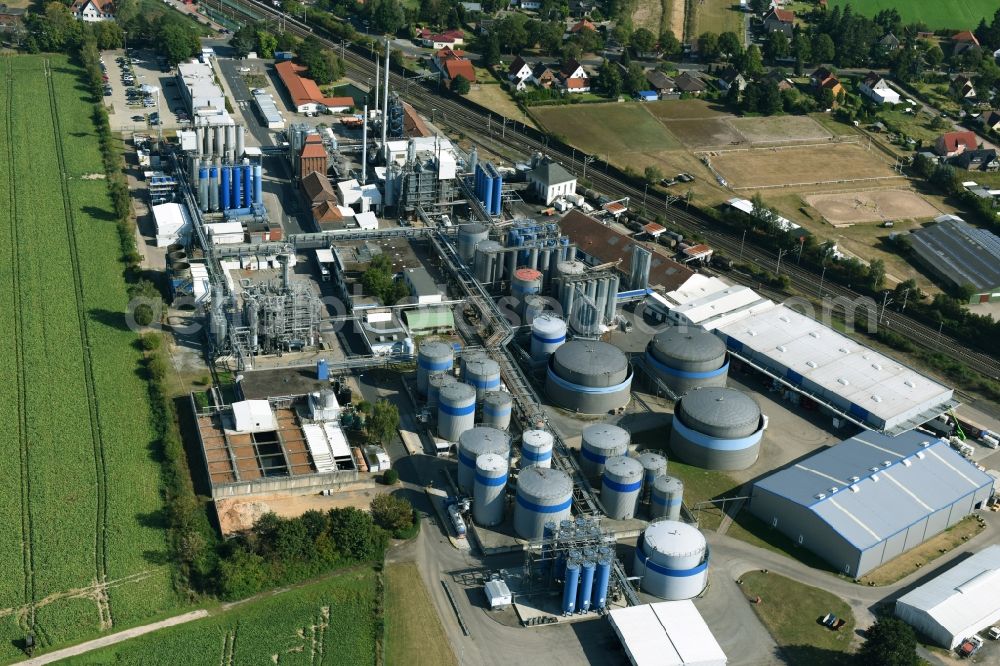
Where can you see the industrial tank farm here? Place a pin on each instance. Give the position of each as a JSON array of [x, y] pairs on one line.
[[456, 410], [543, 495], [672, 559], [717, 428], [598, 443], [666, 498], [589, 377], [474, 443], [622, 481], [489, 488], [433, 356], [536, 448], [548, 333], [687, 359], [497, 406]]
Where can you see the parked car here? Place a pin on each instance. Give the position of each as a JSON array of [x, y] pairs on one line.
[[139, 119], [970, 646], [994, 633]]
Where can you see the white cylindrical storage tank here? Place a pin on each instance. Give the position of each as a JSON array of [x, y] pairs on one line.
[[468, 356], [620, 487], [672, 560], [548, 333], [456, 410], [653, 465], [483, 374], [666, 498], [534, 305], [536, 448], [496, 409], [473, 443], [489, 487], [433, 356], [688, 358], [589, 376], [469, 236], [435, 380], [543, 494], [717, 428], [599, 442], [486, 253], [239, 141]]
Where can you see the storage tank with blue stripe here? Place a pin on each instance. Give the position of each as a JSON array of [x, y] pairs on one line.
[[548, 333], [258, 184], [666, 498], [589, 377], [536, 448], [527, 281], [570, 586], [435, 380], [601, 582], [620, 486], [543, 494], [687, 358], [496, 409], [654, 465], [225, 187], [476, 442], [483, 374], [599, 442], [586, 588], [717, 428], [671, 558], [433, 356], [203, 185], [456, 410], [489, 486], [534, 306]]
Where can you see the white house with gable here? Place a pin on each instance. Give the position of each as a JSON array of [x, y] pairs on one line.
[[93, 11], [877, 89]]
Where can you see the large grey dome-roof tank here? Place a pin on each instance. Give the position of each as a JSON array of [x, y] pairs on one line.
[[717, 428], [687, 358], [589, 376]]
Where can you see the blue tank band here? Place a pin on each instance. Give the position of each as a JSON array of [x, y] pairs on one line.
[[548, 341], [434, 366], [593, 457], [466, 460], [536, 457], [483, 383], [622, 487], [496, 412], [545, 508], [663, 501], [577, 388], [664, 571], [491, 480], [684, 374], [455, 411], [714, 443]]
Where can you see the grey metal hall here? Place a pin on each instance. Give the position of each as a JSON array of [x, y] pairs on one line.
[[870, 498]]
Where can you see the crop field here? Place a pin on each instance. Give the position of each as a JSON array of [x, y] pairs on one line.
[[874, 206], [705, 132], [413, 631], [685, 109], [83, 547], [330, 622], [801, 166], [957, 14], [718, 16], [778, 129], [606, 129]]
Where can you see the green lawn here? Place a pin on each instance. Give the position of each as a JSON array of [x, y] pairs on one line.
[[413, 631], [719, 16], [329, 622], [915, 126], [790, 611], [957, 14], [606, 129]]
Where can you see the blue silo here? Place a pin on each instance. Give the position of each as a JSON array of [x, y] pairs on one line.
[[225, 187], [570, 587], [585, 587]]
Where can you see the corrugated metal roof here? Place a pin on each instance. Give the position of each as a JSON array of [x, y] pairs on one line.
[[667, 633], [961, 251], [872, 486]]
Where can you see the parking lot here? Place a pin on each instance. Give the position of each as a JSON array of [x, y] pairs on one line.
[[127, 113]]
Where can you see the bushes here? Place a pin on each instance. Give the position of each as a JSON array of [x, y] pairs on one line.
[[393, 514]]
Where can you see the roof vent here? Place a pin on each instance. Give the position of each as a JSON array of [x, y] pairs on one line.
[[752, 333], [781, 348], [921, 455], [925, 444], [854, 489], [841, 380], [886, 463], [785, 319], [814, 334], [874, 469], [875, 478], [812, 364], [909, 383], [876, 366], [866, 356], [834, 489], [820, 496], [907, 462], [855, 479], [876, 398], [843, 350]]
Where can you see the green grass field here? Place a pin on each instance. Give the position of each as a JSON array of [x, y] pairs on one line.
[[719, 16], [413, 631], [957, 14], [83, 547], [606, 129], [329, 622]]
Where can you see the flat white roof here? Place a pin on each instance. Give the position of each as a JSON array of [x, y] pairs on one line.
[[367, 220], [667, 633], [170, 218], [220, 228], [718, 308], [253, 416], [324, 255], [696, 286], [871, 380]]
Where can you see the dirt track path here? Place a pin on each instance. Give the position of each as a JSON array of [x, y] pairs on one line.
[[677, 18]]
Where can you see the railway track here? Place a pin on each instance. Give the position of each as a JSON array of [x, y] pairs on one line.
[[508, 135]]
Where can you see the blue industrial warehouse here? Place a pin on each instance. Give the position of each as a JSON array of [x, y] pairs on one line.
[[870, 498]]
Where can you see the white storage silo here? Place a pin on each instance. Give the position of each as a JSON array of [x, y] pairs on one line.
[[497, 406], [435, 381], [622, 481], [536, 448], [456, 410], [666, 498], [548, 332], [654, 465], [486, 259], [543, 495], [469, 236], [671, 558], [534, 305], [433, 356], [489, 488], [601, 441], [717, 428], [483, 374], [476, 442]]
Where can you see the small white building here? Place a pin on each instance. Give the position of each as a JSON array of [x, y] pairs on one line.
[[498, 594], [253, 416], [549, 180], [225, 233], [367, 221], [877, 89], [422, 286], [667, 633], [958, 603], [93, 11], [173, 225]]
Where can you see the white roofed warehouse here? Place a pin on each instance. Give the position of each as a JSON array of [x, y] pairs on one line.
[[668, 633], [870, 498], [958, 603]]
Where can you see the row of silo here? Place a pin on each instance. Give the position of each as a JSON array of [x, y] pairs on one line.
[[589, 377], [226, 187], [598, 443], [687, 358], [493, 261], [585, 582], [476, 442], [588, 300], [488, 187], [224, 141], [433, 356], [496, 410], [717, 428], [671, 559]]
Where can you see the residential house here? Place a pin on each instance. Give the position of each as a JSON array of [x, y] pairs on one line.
[[452, 64], [834, 85], [11, 18], [549, 180], [877, 89], [690, 84], [660, 82], [519, 73], [961, 86], [779, 19], [963, 41], [991, 120], [976, 160], [889, 43], [433, 40], [542, 76], [581, 7], [779, 79], [951, 144], [819, 77], [93, 11], [305, 94], [574, 77], [582, 24], [729, 77]]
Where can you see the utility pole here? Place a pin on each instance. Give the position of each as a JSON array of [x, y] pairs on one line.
[[385, 96], [885, 302], [821, 276], [742, 241], [777, 266], [906, 295], [587, 159], [503, 130]]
